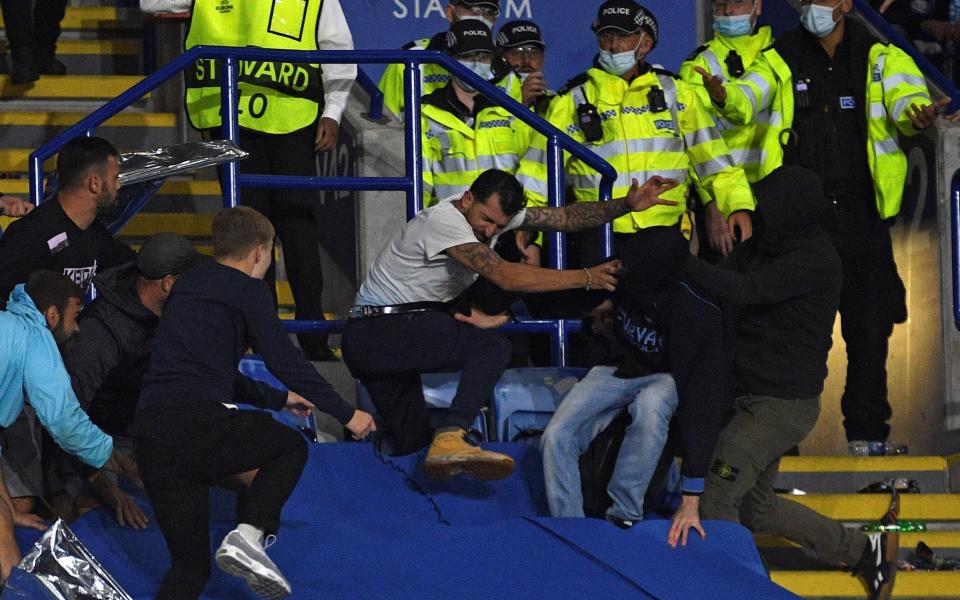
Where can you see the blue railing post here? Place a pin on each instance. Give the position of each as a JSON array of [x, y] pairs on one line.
[[606, 231], [555, 190], [413, 142], [376, 96], [229, 118]]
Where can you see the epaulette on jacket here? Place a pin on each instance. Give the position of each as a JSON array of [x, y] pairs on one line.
[[696, 52], [578, 80]]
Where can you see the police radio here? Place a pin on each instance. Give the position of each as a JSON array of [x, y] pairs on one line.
[[657, 99], [801, 92], [590, 123], [734, 64]]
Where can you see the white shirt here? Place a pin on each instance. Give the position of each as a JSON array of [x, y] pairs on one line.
[[333, 33], [414, 267]]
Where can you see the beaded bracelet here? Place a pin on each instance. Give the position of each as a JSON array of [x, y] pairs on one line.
[[589, 279]]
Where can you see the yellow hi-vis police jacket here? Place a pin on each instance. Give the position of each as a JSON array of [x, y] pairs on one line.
[[894, 82], [745, 141], [432, 78], [275, 97], [455, 152], [639, 144]]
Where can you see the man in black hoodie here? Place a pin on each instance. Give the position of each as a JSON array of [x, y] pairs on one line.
[[108, 358], [666, 353], [785, 281]]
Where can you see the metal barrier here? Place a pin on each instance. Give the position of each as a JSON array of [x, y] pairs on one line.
[[955, 244], [557, 143]]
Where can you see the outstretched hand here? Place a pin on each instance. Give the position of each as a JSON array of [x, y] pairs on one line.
[[686, 518], [361, 425], [298, 405], [604, 276], [482, 320], [923, 117], [714, 85], [642, 197]]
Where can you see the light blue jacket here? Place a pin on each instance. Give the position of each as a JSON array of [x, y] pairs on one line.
[[31, 367]]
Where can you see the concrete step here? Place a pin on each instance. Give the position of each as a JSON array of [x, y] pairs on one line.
[[138, 131], [93, 57], [98, 18], [844, 474], [70, 87], [862, 508], [838, 584], [782, 554]]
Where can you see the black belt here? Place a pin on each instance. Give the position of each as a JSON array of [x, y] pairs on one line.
[[366, 310]]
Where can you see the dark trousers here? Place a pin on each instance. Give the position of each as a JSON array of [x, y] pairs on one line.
[[739, 486], [293, 214], [872, 300], [33, 29], [184, 449], [388, 354]]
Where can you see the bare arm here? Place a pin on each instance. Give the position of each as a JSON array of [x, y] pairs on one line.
[[584, 215], [519, 277]]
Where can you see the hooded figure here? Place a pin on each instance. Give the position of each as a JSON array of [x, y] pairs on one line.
[[785, 284]]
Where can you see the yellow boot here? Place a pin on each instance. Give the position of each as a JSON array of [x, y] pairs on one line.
[[451, 454]]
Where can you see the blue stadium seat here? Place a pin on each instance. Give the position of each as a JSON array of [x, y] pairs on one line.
[[438, 392], [252, 366], [525, 399]]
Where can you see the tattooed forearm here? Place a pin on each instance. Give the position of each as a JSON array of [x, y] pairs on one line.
[[477, 257], [574, 217]]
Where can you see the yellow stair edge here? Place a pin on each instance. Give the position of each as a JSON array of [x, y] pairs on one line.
[[123, 47], [67, 119], [18, 160], [913, 584], [75, 87], [178, 187], [86, 18], [860, 464], [870, 507], [934, 539], [186, 224]]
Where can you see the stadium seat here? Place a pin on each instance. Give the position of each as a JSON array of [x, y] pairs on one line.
[[525, 399], [252, 366]]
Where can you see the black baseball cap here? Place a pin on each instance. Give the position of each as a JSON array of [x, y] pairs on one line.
[[493, 5], [626, 16], [468, 36], [520, 33], [166, 254]]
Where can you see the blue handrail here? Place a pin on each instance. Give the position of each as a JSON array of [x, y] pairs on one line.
[[557, 143], [376, 96], [929, 71], [955, 242]]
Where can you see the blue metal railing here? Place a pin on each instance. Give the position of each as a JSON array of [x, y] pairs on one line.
[[557, 143], [955, 244], [929, 71]]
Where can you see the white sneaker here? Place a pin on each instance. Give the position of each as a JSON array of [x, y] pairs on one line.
[[237, 556]]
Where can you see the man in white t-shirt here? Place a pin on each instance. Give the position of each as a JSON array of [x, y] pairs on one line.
[[402, 327]]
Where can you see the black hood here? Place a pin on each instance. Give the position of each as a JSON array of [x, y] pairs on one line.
[[790, 205], [650, 258], [118, 288]]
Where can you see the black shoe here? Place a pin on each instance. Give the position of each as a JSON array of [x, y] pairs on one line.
[[621, 523], [24, 69], [47, 64], [878, 566]]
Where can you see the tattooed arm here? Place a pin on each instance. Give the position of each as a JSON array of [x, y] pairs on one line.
[[584, 215], [519, 277]]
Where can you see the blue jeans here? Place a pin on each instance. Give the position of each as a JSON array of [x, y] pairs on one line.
[[586, 411]]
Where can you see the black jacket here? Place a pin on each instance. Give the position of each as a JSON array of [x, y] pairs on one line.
[[108, 357], [664, 324], [785, 281]]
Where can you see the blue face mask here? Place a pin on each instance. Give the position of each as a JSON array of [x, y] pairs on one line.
[[818, 20], [621, 62], [731, 27], [482, 69]]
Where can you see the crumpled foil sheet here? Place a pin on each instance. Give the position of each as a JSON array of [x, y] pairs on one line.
[[171, 160], [67, 569]]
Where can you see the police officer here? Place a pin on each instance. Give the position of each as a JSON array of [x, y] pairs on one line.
[[286, 112], [642, 120], [434, 77], [464, 133], [736, 44], [839, 97], [520, 47]]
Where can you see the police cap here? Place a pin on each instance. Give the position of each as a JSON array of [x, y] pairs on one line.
[[468, 36], [626, 16], [520, 33]]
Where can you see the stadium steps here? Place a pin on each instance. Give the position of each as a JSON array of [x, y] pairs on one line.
[[827, 483]]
